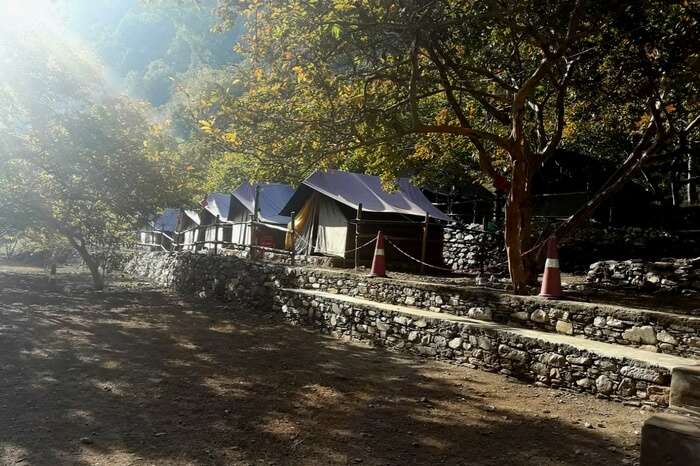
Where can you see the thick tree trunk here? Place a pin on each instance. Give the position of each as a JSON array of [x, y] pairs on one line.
[[517, 208], [97, 279]]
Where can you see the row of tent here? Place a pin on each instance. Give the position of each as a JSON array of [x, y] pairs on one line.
[[325, 209]]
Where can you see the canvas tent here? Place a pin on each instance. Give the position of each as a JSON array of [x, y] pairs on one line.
[[271, 198], [215, 219], [326, 206], [159, 232], [189, 233]]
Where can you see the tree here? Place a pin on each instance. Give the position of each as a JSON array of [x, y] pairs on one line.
[[366, 82], [75, 160]]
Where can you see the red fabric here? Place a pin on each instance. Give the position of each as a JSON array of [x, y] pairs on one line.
[[501, 184]]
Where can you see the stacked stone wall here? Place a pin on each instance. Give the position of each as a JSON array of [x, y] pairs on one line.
[[224, 277], [555, 365], [470, 248], [650, 330], [669, 275], [234, 279], [264, 286]]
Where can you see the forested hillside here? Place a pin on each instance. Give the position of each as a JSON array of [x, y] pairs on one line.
[[147, 46]]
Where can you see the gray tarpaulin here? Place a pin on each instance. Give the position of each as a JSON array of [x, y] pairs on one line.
[[273, 197], [218, 204], [353, 189], [167, 221]]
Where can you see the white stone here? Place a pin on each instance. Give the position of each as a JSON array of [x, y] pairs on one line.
[[382, 326], [644, 335], [484, 343], [538, 316], [665, 337], [480, 313], [613, 322], [565, 327], [455, 343], [603, 384], [599, 321], [641, 373], [584, 383]]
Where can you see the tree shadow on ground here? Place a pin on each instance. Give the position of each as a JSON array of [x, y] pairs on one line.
[[145, 377]]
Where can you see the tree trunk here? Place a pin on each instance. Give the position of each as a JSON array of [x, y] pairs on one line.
[[97, 278], [516, 212]]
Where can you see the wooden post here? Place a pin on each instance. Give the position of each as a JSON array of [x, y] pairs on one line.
[[216, 234], [424, 245], [253, 225], [292, 232], [358, 219]]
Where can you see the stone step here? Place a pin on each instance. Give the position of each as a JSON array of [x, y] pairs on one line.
[[670, 440], [685, 389], [652, 330], [611, 370]]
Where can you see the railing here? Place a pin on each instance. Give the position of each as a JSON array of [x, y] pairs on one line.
[[177, 243]]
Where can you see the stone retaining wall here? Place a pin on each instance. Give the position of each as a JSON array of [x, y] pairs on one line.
[[672, 275], [234, 279], [228, 278], [651, 330], [470, 248], [264, 286], [555, 365]]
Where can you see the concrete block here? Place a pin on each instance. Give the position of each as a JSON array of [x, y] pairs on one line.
[[685, 389], [670, 440]]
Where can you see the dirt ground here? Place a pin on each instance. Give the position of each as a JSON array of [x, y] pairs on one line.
[[136, 376]]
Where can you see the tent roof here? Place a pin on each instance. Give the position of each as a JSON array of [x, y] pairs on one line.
[[273, 197], [194, 216], [218, 204], [167, 221], [353, 189]]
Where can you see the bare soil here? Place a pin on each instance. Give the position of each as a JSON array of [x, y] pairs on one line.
[[136, 376]]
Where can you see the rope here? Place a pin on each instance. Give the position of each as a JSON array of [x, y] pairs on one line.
[[343, 252], [416, 259], [360, 247]]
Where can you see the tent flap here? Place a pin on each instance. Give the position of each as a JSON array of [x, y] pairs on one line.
[[332, 229]]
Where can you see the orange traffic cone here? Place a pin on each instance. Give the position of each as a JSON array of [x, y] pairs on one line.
[[551, 281], [379, 263]]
